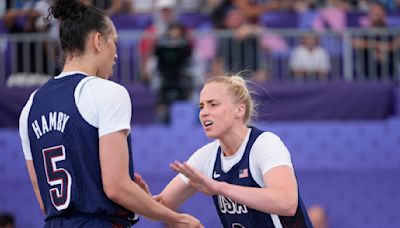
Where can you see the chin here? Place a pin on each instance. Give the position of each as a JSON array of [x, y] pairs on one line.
[[106, 74], [210, 134]]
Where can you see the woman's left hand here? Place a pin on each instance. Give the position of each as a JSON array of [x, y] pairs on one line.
[[142, 184], [197, 179]]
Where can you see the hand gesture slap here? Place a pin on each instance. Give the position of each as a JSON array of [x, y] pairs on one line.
[[197, 179], [142, 184]]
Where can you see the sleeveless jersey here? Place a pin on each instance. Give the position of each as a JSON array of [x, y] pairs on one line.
[[236, 215], [65, 153]]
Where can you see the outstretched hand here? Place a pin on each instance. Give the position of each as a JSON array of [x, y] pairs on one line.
[[186, 221], [142, 184], [197, 179]]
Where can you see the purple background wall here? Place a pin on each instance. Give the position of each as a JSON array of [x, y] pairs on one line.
[[351, 168], [277, 101]]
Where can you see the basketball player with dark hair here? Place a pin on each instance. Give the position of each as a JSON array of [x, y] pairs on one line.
[[75, 133]]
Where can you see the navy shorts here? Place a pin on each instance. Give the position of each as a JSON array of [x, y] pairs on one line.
[[85, 220]]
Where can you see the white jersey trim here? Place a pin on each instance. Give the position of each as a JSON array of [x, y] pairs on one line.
[[23, 128], [268, 152], [103, 104]]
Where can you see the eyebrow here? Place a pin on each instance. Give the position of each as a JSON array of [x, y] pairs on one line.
[[208, 101]]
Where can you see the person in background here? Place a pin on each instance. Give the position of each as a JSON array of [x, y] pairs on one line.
[[6, 220], [28, 18], [375, 52], [241, 49], [173, 52], [163, 16], [309, 60], [331, 17], [318, 216]]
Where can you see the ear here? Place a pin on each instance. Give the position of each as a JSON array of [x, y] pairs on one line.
[[240, 111], [97, 41]]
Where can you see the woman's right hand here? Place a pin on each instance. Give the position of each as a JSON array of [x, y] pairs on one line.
[[186, 221]]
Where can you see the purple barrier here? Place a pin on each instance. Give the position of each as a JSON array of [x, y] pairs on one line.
[[349, 167], [12, 100], [325, 101], [276, 102]]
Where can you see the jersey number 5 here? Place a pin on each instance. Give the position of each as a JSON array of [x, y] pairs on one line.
[[58, 178]]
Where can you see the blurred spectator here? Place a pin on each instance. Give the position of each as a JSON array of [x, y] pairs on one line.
[[3, 8], [200, 6], [393, 6], [363, 5], [173, 53], [318, 216], [218, 12], [28, 18], [299, 5], [261, 77], [239, 52], [375, 52], [163, 16], [251, 10], [309, 59], [108, 6], [140, 6], [376, 18], [331, 17], [130, 6], [6, 221]]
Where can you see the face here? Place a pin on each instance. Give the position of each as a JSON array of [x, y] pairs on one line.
[[234, 19], [310, 40], [377, 15], [167, 14], [218, 112], [108, 54]]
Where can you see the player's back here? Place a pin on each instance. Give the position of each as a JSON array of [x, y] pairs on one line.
[[65, 152]]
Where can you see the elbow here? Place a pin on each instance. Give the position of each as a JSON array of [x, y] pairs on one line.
[[42, 209], [290, 208], [113, 191]]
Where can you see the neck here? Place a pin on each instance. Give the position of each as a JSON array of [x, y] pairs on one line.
[[231, 142], [80, 63]]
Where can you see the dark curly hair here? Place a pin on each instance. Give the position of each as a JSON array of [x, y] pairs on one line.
[[77, 21]]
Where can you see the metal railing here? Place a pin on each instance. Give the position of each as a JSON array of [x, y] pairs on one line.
[[378, 60]]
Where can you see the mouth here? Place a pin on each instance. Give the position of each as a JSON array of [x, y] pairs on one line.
[[207, 123]]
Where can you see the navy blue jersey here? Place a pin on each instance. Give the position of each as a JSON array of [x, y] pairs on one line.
[[236, 215], [65, 153]]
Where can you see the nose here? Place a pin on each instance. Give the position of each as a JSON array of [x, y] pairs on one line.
[[203, 112]]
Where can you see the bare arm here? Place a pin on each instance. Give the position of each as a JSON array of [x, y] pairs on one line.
[[279, 197], [32, 176], [175, 193], [120, 188]]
